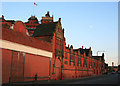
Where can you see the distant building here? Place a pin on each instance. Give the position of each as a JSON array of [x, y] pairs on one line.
[[112, 63], [106, 68], [118, 67], [115, 68]]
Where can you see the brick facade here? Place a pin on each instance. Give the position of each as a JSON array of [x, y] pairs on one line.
[[65, 62]]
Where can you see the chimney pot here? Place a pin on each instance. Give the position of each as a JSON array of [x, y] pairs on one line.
[[82, 47]]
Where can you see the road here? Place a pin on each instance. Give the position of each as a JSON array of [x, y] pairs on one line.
[[106, 79], [110, 79]]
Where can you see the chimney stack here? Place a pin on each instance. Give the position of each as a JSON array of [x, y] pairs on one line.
[[82, 47], [2, 16], [59, 20], [112, 64], [68, 45]]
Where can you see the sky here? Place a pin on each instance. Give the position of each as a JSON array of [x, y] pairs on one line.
[[87, 24]]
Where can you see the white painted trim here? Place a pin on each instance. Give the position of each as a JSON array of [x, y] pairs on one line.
[[24, 48]]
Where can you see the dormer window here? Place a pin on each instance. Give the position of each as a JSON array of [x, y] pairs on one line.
[[58, 29]]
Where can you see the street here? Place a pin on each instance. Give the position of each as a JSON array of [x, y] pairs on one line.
[[107, 79], [111, 79]]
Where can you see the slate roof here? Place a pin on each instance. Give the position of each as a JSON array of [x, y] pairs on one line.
[[67, 48], [97, 57], [10, 21], [33, 18], [29, 29], [45, 29], [114, 66], [84, 50], [18, 37], [106, 64]]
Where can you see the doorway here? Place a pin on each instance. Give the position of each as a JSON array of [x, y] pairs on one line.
[[17, 67]]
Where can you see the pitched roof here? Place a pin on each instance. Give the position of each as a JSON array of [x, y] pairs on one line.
[[67, 48], [97, 57], [33, 18], [114, 66], [29, 29], [84, 50], [18, 37], [11, 21], [45, 29]]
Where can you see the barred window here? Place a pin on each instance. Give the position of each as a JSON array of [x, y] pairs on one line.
[[72, 57], [66, 56], [80, 61], [94, 64], [66, 62]]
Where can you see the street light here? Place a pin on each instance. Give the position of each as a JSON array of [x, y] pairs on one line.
[[100, 51]]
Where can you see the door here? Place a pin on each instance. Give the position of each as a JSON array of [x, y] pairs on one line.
[[57, 69], [17, 67]]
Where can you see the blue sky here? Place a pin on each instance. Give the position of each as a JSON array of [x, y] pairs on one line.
[[88, 24]]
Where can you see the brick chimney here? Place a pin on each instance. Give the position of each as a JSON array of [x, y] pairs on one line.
[[68, 45], [59, 20], [112, 64], [2, 16], [82, 47]]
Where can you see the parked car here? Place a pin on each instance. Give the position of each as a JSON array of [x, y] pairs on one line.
[[106, 73], [119, 72], [113, 72]]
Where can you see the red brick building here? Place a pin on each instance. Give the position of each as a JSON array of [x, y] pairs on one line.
[[40, 48]]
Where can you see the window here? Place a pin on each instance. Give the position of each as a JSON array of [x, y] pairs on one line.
[[72, 57], [97, 64], [66, 62], [89, 63], [85, 62], [94, 64], [59, 44], [57, 29], [66, 56], [79, 61]]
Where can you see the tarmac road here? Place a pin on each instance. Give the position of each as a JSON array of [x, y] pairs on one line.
[[110, 79]]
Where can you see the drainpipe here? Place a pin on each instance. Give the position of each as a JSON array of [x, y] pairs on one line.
[[49, 69], [23, 64], [61, 72], [11, 67]]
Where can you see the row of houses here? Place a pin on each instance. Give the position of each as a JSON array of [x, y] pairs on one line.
[[33, 48]]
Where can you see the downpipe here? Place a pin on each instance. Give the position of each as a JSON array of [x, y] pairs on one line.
[[49, 70]]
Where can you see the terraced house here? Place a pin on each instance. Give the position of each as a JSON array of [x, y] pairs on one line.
[[32, 48]]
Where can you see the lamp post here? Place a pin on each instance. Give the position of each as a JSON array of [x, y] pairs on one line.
[[100, 51]]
